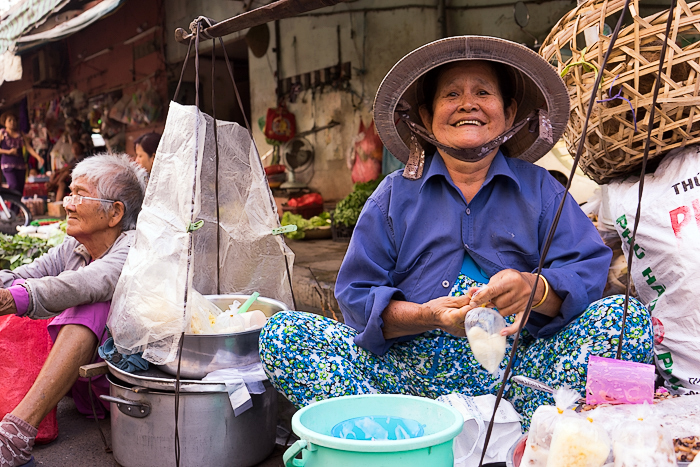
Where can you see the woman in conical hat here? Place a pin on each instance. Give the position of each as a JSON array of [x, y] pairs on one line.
[[468, 115]]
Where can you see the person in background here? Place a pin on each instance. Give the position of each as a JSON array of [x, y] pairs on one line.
[[73, 283], [12, 163], [146, 146], [60, 180]]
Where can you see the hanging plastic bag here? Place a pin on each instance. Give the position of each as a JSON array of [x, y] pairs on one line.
[[175, 249], [483, 327], [24, 346], [280, 124], [542, 426], [366, 154]]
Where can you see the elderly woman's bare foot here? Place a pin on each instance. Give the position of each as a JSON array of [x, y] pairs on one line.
[[16, 441]]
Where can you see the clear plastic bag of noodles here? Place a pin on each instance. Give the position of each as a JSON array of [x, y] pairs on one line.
[[544, 421], [643, 442], [175, 249]]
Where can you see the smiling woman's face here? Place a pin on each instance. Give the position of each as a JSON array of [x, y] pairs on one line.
[[468, 109], [87, 218]]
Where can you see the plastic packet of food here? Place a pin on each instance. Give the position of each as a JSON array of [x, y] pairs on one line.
[[231, 321], [204, 314], [643, 442], [483, 327], [544, 420], [578, 442]]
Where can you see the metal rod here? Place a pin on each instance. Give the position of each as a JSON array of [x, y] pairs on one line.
[[278, 61], [442, 18], [274, 11]]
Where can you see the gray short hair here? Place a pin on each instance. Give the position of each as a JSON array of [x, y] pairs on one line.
[[116, 177]]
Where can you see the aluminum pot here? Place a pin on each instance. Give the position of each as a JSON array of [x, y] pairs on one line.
[[202, 354], [143, 427]]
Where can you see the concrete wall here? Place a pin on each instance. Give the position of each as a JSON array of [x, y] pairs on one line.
[[374, 35]]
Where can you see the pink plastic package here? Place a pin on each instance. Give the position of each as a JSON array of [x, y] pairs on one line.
[[613, 381]]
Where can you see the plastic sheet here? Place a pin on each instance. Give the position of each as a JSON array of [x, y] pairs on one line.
[[169, 260], [378, 428]]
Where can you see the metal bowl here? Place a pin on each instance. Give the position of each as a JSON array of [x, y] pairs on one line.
[[204, 353]]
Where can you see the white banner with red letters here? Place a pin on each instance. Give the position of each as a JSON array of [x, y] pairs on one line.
[[666, 265]]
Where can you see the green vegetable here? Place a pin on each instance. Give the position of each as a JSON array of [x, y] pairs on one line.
[[348, 210], [303, 224], [19, 249]]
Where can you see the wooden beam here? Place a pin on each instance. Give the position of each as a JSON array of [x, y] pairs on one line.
[[274, 11]]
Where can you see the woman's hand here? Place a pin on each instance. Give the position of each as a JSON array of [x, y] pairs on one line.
[[509, 291], [407, 318], [449, 313], [7, 303]]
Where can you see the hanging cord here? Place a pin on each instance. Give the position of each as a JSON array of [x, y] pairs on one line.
[[272, 200], [647, 143], [216, 168], [177, 401], [550, 234], [189, 252], [182, 72], [108, 449]]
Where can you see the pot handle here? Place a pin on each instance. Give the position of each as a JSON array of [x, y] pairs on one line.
[[131, 408], [292, 452]]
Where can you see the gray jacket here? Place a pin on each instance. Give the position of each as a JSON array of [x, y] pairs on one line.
[[64, 277]]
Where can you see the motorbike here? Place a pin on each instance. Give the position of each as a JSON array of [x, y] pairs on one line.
[[13, 212]]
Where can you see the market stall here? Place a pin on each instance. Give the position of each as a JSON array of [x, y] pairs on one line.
[[199, 235]]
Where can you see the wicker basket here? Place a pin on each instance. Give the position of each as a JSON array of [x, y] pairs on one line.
[[612, 147]]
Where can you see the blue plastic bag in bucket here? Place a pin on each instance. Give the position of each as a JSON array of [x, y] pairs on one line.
[[374, 430]]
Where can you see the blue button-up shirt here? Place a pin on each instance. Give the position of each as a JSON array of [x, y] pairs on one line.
[[410, 241]]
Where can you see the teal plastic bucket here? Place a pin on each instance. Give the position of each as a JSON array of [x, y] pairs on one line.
[[319, 448]]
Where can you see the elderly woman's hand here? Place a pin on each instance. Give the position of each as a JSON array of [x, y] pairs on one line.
[[449, 313], [509, 291], [7, 303], [407, 318]]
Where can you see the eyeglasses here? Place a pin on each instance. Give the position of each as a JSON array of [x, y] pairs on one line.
[[77, 199]]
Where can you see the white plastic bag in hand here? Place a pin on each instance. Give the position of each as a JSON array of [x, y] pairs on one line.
[[483, 327]]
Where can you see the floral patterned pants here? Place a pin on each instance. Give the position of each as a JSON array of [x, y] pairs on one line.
[[309, 358]]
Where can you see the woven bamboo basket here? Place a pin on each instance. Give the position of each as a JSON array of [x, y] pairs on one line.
[[612, 146]]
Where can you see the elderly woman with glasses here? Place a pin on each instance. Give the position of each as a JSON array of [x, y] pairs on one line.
[[74, 283]]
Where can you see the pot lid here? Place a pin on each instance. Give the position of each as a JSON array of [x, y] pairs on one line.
[[153, 378]]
